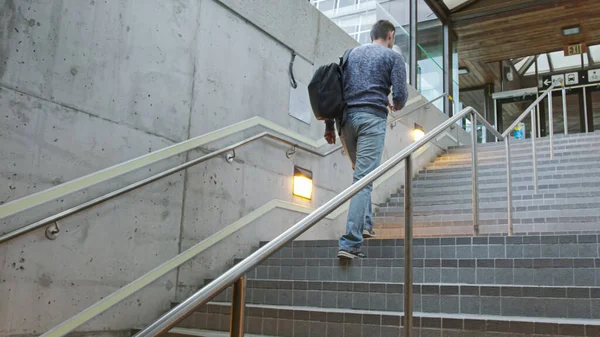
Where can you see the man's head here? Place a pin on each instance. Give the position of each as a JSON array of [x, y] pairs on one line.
[[383, 33]]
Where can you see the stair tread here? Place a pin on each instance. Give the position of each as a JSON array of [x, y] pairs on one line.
[[552, 320]]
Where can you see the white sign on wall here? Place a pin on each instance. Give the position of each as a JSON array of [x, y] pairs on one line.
[[572, 78], [300, 103], [594, 75], [558, 79]]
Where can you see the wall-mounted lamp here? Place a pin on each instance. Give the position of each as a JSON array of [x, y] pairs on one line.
[[418, 132], [302, 183], [571, 30], [463, 71]]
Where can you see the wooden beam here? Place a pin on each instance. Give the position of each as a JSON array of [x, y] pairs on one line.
[[463, 5], [440, 9]]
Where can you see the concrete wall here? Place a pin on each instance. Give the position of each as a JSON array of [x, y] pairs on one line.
[[86, 85]]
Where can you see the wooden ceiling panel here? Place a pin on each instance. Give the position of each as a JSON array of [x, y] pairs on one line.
[[493, 30]]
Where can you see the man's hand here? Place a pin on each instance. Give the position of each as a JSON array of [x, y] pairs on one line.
[[330, 137], [392, 108]]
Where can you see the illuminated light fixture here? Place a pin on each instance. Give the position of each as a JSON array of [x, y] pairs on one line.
[[463, 71], [419, 133], [302, 183], [572, 30]]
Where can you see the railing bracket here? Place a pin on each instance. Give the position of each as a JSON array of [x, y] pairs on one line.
[[52, 231], [231, 156], [290, 152]]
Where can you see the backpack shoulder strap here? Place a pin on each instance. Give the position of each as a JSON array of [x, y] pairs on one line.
[[344, 58]]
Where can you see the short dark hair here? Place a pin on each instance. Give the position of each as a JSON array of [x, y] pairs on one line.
[[381, 29]]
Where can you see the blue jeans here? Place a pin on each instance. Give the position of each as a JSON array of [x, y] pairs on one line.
[[363, 137]]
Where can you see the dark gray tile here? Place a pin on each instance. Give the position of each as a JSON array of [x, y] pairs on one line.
[[588, 250], [329, 299], [270, 327], [344, 300], [503, 276], [360, 301], [480, 252], [448, 252], [449, 304], [467, 275], [419, 252], [556, 307], [371, 330], [449, 275], [595, 308], [490, 306], [579, 308], [485, 276], [569, 250], [299, 298], [312, 273], [335, 329], [543, 277], [395, 302], [464, 252], [317, 329], [432, 275], [369, 274], [384, 274], [532, 251], [497, 252], [514, 251], [563, 277], [299, 273], [377, 301], [584, 277], [433, 252], [390, 331], [325, 273], [550, 250], [254, 325], [469, 305], [430, 303], [285, 328], [314, 298]]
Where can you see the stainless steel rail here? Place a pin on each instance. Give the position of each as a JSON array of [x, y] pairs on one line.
[[83, 206], [403, 114], [175, 315]]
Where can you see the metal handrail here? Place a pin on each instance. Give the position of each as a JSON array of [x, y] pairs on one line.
[[404, 114], [83, 206], [233, 275]]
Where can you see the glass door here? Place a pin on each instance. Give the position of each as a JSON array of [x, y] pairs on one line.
[[575, 111], [509, 109]]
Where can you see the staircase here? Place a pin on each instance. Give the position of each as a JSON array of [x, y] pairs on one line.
[[465, 286], [568, 200], [543, 281]]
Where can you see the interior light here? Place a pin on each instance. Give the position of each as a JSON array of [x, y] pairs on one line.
[[418, 132], [463, 71], [572, 30], [302, 183]]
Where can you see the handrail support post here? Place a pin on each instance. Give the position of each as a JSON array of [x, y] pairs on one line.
[[238, 306]]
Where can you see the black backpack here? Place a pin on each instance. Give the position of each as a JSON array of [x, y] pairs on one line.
[[326, 90]]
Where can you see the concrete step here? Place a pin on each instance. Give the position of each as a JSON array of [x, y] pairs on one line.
[[521, 190], [183, 332], [525, 171], [494, 247], [533, 301], [559, 140], [536, 271], [287, 321], [465, 228], [578, 151], [516, 161], [465, 207], [543, 147], [543, 178]]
